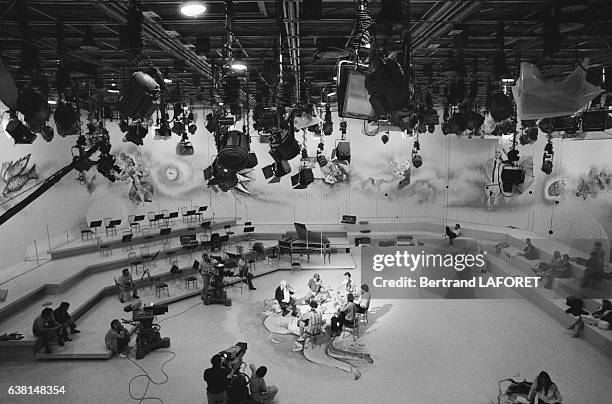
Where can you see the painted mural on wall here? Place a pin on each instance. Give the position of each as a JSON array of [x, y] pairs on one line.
[[594, 183], [15, 175]]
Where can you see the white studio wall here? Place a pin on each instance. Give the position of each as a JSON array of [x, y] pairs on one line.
[[574, 202]]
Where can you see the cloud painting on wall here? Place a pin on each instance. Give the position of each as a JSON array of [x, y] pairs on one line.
[[595, 182]]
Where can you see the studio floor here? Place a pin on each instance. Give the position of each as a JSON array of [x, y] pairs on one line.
[[424, 351]]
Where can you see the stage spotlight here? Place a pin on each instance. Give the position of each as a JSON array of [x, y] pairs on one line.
[[385, 138], [238, 65], [321, 159], [547, 158], [511, 175], [192, 128], [47, 132], [184, 147], [66, 119], [304, 154], [137, 99], [302, 179], [19, 132], [135, 134], [417, 160]]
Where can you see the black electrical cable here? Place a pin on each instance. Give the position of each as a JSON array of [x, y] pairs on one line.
[[182, 312], [149, 379]]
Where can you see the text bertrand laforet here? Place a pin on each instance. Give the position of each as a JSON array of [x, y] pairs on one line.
[[410, 262]]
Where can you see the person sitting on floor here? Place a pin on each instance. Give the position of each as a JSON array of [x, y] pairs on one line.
[[283, 296], [63, 318], [117, 338], [310, 323], [544, 267], [126, 284], [259, 391], [245, 274], [604, 312], [315, 286], [594, 269], [544, 390], [46, 328], [453, 233], [363, 303], [345, 316]]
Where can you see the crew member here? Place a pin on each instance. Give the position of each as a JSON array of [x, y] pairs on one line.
[[117, 338], [216, 379], [63, 318], [46, 328]]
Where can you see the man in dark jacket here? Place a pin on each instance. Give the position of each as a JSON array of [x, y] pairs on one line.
[[46, 328], [63, 318], [216, 379]]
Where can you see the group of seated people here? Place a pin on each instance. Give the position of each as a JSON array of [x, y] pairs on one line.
[[53, 324], [603, 313], [560, 265], [311, 323]]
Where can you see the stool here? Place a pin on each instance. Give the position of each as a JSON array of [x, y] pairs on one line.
[[149, 240], [106, 250], [161, 287], [134, 266], [191, 280], [296, 266], [251, 263], [272, 257]]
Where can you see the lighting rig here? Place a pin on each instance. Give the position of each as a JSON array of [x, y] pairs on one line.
[[547, 158], [512, 174]]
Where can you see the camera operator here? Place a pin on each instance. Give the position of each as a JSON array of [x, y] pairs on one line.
[[216, 379], [117, 338]]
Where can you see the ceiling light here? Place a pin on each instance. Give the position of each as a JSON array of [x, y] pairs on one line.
[[167, 80], [335, 78], [89, 43], [507, 81], [111, 90], [331, 94], [52, 102], [193, 8], [238, 65]]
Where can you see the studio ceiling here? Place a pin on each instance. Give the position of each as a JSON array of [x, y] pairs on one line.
[[169, 36]]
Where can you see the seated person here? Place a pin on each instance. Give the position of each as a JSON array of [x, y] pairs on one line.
[[454, 233], [560, 269], [126, 284], [63, 318], [259, 391], [117, 338], [528, 251], [604, 312], [246, 276], [363, 303], [544, 390], [345, 316], [594, 269], [601, 254], [544, 267], [311, 322], [46, 328], [315, 285], [283, 296]]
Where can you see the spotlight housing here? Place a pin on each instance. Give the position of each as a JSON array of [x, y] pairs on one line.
[[238, 65]]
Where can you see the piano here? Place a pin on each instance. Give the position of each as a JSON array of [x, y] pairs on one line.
[[305, 242]]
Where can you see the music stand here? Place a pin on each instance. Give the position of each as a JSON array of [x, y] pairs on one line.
[[126, 242], [139, 218], [95, 224], [115, 223], [165, 232], [173, 215]]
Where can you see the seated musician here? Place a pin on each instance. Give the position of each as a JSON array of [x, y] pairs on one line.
[[363, 302], [315, 286], [126, 284], [310, 323], [245, 274], [283, 295], [345, 316]]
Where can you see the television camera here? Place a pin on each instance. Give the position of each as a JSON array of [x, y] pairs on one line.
[[231, 359], [212, 292], [148, 338]]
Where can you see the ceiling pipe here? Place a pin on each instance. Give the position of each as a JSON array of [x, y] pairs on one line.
[[459, 16]]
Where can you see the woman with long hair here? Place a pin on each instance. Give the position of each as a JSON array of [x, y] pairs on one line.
[[545, 390]]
